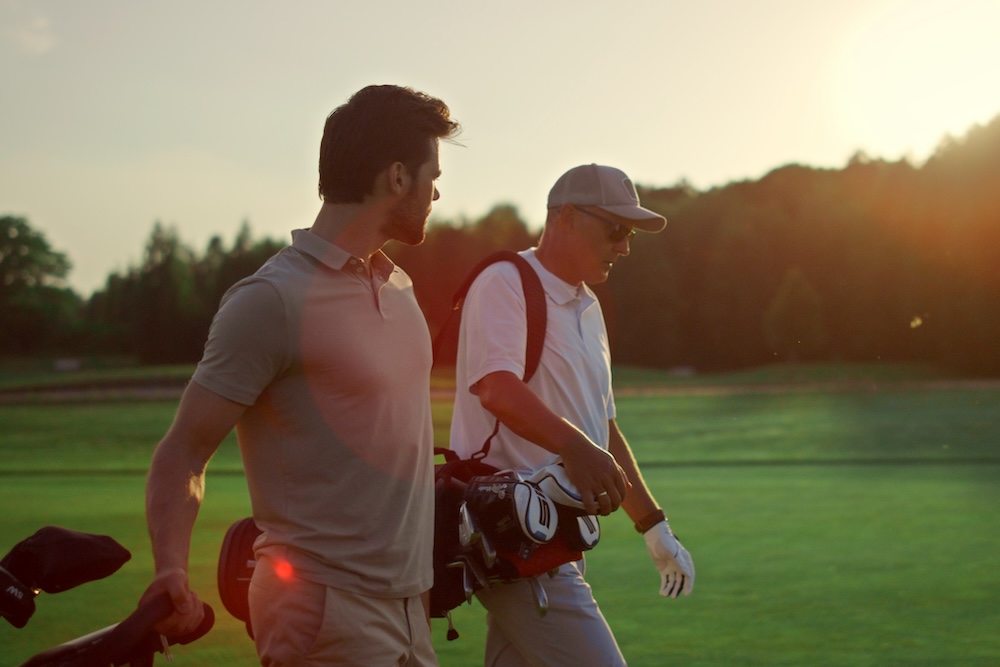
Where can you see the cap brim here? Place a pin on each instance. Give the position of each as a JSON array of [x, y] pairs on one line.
[[641, 218]]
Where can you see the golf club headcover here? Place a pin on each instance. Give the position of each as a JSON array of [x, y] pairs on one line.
[[555, 484], [581, 531], [511, 511], [56, 559], [671, 559], [17, 600]]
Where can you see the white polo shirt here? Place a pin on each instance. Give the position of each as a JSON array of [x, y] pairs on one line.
[[573, 377]]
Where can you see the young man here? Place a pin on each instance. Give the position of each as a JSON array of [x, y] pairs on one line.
[[566, 411], [320, 361]]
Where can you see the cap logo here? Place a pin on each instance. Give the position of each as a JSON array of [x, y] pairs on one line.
[[630, 190]]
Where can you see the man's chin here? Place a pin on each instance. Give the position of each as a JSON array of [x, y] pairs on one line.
[[599, 277], [413, 239], [407, 234]]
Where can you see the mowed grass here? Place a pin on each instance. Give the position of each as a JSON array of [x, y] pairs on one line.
[[849, 527]]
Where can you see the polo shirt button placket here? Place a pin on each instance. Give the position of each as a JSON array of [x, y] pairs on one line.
[[356, 265]]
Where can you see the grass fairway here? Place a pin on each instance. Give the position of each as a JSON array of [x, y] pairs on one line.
[[853, 527]]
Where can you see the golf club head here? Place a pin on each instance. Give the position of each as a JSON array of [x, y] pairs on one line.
[[489, 552], [468, 531], [541, 597], [467, 586], [477, 571]]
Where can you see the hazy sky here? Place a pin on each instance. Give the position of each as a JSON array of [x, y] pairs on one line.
[[201, 114]]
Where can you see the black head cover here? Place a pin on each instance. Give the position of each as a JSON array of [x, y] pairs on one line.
[[56, 559]]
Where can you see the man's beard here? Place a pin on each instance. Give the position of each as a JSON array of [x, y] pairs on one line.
[[407, 221]]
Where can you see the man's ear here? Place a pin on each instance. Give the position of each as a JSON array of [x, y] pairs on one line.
[[565, 217], [397, 178]]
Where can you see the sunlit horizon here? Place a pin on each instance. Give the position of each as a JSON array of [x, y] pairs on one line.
[[203, 116]]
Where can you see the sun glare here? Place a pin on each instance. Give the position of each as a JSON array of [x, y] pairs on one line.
[[916, 70], [284, 570]]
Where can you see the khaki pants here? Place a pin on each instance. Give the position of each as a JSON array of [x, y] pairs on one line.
[[297, 622]]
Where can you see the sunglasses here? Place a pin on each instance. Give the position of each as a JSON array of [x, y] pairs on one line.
[[617, 231]]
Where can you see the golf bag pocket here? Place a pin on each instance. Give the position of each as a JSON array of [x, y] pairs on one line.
[[452, 583], [236, 566]]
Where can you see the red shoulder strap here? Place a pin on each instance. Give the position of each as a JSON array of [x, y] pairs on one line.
[[536, 313], [446, 342]]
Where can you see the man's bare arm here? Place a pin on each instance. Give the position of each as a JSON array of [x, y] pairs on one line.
[[174, 492], [640, 502]]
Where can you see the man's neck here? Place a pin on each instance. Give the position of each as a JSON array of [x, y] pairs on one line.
[[355, 228], [548, 257]]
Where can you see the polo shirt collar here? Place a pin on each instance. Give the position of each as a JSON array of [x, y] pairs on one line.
[[334, 256], [560, 291]]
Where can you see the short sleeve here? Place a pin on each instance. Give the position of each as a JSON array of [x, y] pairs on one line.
[[494, 324], [248, 343]]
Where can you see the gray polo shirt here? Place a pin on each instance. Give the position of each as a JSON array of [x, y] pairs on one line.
[[337, 441]]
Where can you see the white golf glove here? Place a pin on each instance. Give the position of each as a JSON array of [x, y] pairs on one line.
[[671, 559]]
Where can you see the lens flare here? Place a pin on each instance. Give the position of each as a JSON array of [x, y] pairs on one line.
[[284, 570]]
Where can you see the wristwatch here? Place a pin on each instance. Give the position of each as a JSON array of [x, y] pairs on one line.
[[650, 520]]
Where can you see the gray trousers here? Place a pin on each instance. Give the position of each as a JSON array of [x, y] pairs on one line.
[[573, 633]]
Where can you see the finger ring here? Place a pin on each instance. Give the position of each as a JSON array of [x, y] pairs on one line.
[[602, 493]]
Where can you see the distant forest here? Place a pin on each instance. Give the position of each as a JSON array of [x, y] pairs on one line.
[[877, 261]]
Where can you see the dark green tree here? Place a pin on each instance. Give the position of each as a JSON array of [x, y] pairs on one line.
[[161, 311], [26, 258], [39, 313], [168, 329]]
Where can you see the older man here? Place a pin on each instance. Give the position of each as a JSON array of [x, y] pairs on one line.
[[566, 412]]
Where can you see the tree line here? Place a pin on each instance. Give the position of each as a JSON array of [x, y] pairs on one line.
[[876, 261]]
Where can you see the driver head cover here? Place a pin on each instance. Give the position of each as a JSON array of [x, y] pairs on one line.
[[554, 483], [509, 510]]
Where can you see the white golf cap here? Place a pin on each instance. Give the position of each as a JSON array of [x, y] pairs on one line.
[[606, 188]]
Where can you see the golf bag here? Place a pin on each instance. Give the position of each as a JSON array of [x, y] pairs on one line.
[[491, 526], [57, 559]]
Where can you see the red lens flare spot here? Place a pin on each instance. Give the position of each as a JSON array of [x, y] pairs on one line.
[[284, 570]]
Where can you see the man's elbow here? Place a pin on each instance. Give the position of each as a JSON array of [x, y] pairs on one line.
[[490, 399], [495, 392]]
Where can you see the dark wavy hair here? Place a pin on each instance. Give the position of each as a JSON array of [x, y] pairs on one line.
[[378, 126]]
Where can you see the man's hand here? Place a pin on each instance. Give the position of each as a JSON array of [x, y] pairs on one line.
[[671, 559], [598, 478], [188, 609]]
